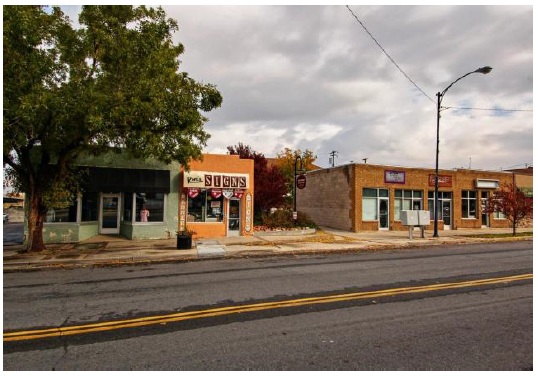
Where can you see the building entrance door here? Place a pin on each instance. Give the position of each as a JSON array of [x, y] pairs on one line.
[[109, 215], [383, 214], [446, 206], [234, 217], [485, 216]]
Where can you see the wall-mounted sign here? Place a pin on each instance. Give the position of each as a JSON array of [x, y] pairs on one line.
[[444, 180], [248, 212], [228, 193], [203, 179], [182, 211], [487, 183], [395, 177], [193, 192]]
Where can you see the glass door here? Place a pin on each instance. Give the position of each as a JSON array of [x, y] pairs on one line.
[[447, 213], [383, 214], [234, 217], [109, 218], [484, 202]]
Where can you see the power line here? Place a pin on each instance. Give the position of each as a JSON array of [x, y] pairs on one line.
[[485, 109], [390, 58], [413, 82]]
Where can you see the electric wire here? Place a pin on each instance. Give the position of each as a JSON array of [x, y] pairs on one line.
[[386, 53], [413, 82]]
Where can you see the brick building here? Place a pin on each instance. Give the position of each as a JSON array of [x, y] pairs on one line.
[[362, 197], [217, 196]]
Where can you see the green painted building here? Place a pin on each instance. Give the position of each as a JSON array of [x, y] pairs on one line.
[[122, 196]]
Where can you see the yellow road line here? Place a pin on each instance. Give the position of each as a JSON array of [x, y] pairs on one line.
[[182, 316]]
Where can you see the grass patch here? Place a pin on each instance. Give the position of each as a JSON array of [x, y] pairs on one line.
[[507, 235]]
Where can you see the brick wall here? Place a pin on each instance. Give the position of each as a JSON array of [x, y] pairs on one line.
[[327, 198], [333, 196]]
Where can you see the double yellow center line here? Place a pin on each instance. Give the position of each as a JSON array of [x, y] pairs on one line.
[[183, 316]]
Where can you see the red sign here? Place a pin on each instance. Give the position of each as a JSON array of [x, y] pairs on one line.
[[193, 192], [444, 180], [216, 193], [301, 181]]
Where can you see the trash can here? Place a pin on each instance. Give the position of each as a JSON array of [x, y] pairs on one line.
[[184, 241]]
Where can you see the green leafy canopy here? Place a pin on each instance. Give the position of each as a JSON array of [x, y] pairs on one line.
[[115, 81]]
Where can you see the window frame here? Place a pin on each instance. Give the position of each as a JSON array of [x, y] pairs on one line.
[[407, 195], [466, 204]]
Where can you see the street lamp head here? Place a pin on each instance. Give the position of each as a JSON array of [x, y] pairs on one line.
[[484, 70]]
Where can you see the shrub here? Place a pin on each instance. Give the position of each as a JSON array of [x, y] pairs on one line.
[[284, 219]]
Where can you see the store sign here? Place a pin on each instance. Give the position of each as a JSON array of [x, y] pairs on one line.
[[193, 192], [228, 193], [203, 179], [444, 180], [248, 212], [216, 193], [487, 183], [301, 182], [395, 177]]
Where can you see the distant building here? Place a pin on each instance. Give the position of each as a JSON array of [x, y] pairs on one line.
[[365, 197]]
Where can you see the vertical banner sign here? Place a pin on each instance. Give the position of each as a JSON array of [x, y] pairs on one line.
[[248, 216], [182, 211]]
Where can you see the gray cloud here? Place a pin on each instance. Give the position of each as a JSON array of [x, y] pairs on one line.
[[311, 77]]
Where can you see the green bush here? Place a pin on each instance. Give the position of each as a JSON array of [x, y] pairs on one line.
[[284, 219]]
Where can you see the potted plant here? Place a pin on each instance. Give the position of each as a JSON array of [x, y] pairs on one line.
[[184, 238]]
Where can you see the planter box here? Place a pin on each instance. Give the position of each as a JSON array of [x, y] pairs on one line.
[[184, 242]]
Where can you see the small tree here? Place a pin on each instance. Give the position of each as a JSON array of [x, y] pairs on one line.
[[269, 186], [510, 201], [286, 163]]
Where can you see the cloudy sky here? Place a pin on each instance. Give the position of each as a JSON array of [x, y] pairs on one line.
[[312, 77]]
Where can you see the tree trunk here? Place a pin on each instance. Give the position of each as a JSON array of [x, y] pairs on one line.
[[514, 228], [36, 218]]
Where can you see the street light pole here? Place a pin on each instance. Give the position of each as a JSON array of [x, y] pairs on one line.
[[440, 95], [297, 158]]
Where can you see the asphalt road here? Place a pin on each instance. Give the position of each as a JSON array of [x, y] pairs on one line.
[[471, 327]]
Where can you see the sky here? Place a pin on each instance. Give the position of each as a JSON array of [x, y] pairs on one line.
[[312, 77]]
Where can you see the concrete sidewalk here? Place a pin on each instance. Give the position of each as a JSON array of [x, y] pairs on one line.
[[104, 250]]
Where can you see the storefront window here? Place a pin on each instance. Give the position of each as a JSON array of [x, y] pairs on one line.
[[149, 207], [468, 204], [205, 206], [444, 201], [406, 200], [370, 198], [90, 206], [497, 214], [128, 207], [69, 214]]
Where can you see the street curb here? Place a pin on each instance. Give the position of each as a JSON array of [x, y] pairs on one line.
[[265, 253]]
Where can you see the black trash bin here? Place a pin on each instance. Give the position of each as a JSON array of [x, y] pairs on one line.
[[184, 241]]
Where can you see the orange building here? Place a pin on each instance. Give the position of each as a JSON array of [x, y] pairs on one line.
[[217, 196]]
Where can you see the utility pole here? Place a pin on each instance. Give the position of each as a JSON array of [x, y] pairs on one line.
[[333, 155]]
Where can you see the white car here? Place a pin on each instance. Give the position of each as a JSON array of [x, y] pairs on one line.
[[6, 217]]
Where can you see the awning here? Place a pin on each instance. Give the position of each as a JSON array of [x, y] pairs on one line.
[[105, 179]]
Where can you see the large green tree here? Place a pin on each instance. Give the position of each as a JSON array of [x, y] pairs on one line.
[[112, 82]]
